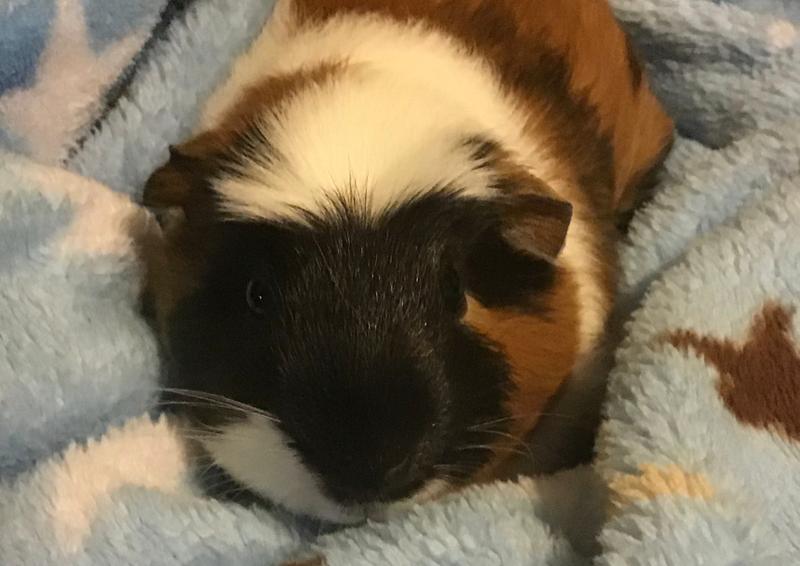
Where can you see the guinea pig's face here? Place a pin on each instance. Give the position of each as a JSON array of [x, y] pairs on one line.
[[343, 372]]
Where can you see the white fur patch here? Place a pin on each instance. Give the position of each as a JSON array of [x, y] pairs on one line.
[[594, 305], [256, 454], [364, 137]]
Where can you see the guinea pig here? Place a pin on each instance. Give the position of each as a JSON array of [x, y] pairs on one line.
[[394, 240]]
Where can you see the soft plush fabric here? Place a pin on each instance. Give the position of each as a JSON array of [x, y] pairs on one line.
[[698, 456], [59, 59]]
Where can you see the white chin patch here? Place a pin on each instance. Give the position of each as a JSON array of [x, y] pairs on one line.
[[257, 455]]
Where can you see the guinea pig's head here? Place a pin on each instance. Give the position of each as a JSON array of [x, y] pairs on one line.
[[334, 346]]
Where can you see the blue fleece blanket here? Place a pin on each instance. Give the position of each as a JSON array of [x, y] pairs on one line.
[[698, 456]]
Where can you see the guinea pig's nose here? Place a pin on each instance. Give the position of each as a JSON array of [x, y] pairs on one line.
[[398, 482]]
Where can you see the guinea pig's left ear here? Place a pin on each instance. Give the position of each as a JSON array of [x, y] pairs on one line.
[[182, 182]]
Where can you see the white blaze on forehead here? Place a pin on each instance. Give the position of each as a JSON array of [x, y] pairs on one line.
[[363, 136], [257, 454]]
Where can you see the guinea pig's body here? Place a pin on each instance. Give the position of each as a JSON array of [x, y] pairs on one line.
[[398, 238]]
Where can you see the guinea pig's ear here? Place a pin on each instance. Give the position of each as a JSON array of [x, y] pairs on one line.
[[533, 217], [513, 254], [535, 223], [182, 182]]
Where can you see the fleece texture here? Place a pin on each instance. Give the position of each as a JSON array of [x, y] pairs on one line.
[[698, 454]]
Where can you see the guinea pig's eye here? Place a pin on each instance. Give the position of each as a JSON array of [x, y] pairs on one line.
[[256, 296], [453, 291]]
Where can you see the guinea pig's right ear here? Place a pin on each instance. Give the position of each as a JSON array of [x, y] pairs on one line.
[[513, 257], [512, 253], [529, 215], [182, 182], [535, 224]]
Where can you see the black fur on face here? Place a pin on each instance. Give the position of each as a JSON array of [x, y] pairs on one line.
[[348, 330]]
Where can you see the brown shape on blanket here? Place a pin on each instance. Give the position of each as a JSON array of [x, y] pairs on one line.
[[317, 561], [760, 379]]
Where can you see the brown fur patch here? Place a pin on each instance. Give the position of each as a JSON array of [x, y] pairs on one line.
[[572, 66], [760, 379], [178, 182], [541, 351], [173, 264], [634, 66]]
